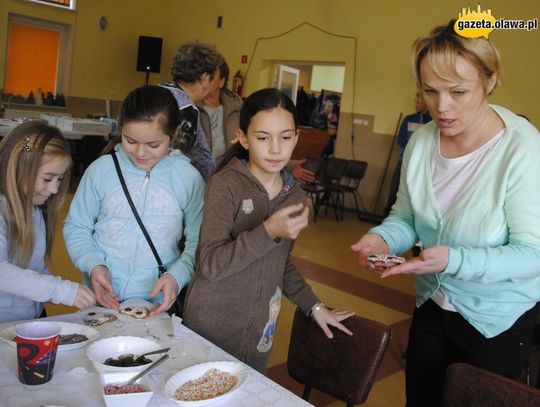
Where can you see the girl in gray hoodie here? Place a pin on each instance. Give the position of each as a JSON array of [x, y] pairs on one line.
[[253, 212]]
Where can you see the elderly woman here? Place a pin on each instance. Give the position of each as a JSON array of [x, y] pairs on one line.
[[469, 191]]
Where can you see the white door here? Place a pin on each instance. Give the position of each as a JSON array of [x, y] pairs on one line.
[[287, 80]]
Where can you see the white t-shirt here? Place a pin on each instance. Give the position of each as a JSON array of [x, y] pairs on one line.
[[452, 176], [216, 126]]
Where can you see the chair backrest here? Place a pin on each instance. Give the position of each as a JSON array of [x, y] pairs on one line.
[[468, 386], [355, 172], [313, 164], [91, 146], [343, 367], [334, 170]]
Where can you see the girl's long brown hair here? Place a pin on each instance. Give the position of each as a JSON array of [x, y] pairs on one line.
[[21, 154]]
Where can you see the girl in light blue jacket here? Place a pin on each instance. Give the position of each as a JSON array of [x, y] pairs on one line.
[[102, 235]]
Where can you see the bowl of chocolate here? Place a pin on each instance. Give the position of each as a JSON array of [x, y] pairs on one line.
[[122, 354]]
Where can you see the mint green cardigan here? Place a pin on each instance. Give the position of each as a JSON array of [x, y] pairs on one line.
[[492, 229]]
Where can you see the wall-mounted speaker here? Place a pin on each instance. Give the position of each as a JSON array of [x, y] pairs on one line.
[[149, 54]]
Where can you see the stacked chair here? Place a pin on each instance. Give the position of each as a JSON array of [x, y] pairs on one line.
[[334, 178]]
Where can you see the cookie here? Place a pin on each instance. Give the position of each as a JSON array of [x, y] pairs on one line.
[[95, 318], [387, 259], [70, 339], [135, 312]]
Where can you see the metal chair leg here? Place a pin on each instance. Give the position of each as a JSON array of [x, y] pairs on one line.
[[305, 394], [356, 204]]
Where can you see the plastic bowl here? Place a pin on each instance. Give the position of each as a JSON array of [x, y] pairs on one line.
[[115, 346], [123, 400]]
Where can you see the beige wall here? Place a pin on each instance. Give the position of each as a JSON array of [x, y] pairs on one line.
[[378, 82]]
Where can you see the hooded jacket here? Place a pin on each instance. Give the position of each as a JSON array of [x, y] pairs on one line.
[[235, 298], [100, 228]]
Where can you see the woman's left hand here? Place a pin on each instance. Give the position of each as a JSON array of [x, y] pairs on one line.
[[430, 261], [169, 287], [324, 317]]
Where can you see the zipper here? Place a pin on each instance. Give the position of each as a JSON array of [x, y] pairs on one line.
[[144, 187]]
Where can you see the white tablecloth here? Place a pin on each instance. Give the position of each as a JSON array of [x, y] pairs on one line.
[[76, 383]]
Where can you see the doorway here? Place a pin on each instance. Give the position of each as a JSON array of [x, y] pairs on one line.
[[316, 83]]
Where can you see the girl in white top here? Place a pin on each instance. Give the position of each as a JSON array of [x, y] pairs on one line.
[[34, 162]]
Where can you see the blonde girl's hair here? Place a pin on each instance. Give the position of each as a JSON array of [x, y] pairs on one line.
[[22, 151], [443, 45]]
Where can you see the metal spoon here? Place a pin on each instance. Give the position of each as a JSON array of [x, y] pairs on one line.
[[149, 368], [154, 352]]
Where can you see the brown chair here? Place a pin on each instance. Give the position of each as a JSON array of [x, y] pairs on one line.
[[470, 386], [343, 367], [315, 188]]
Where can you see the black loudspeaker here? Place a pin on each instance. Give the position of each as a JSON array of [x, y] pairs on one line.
[[149, 55]]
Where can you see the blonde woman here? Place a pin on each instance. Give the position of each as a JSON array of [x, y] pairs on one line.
[[34, 162], [469, 192]]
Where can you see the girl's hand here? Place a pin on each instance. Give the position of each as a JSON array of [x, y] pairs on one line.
[[85, 298], [430, 261], [102, 286], [324, 317], [169, 287], [287, 222], [370, 243]]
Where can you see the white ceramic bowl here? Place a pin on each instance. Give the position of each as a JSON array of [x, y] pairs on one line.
[[196, 371], [123, 400], [115, 346]]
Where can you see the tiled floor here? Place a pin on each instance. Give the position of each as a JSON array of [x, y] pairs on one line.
[[323, 255]]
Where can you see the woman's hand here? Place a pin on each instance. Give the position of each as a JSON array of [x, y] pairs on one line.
[[430, 261], [85, 298], [324, 317], [287, 222], [103, 289], [169, 288], [370, 243]]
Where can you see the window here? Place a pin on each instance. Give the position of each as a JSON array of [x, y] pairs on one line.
[[66, 4], [37, 56]]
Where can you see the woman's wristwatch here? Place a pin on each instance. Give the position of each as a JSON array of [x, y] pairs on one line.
[[317, 307]]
